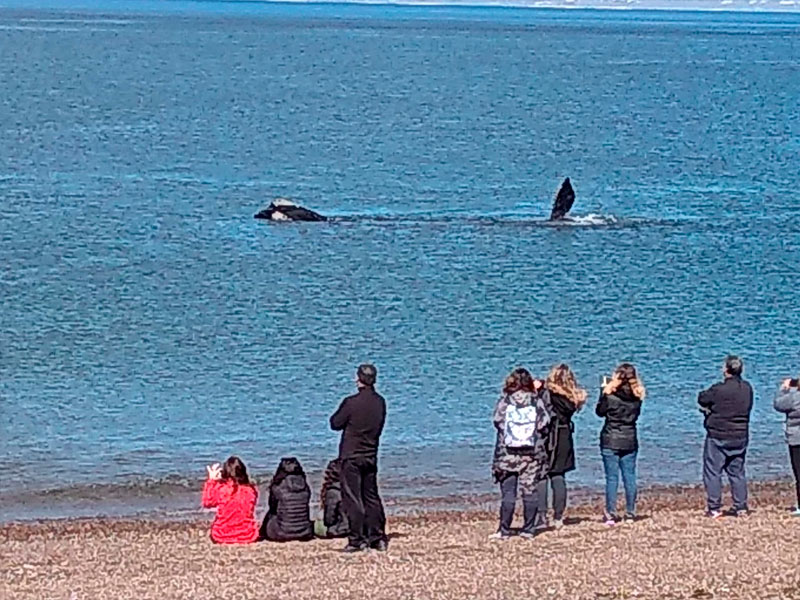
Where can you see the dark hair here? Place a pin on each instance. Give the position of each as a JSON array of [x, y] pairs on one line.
[[289, 465], [733, 365], [518, 380], [330, 478], [367, 374], [235, 470], [627, 376]]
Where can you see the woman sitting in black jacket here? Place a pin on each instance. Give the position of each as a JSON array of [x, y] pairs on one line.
[[566, 398], [620, 403], [288, 516]]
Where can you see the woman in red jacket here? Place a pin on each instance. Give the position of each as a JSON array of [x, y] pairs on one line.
[[228, 489]]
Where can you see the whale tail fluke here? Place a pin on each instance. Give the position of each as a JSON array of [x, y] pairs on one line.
[[563, 202]]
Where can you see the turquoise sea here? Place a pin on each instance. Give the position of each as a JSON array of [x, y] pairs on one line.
[[149, 325]]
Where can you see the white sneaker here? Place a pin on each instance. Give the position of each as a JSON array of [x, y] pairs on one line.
[[526, 536], [499, 536], [558, 523]]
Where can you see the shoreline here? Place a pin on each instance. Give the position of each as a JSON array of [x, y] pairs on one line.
[[775, 494], [581, 497], [672, 551]]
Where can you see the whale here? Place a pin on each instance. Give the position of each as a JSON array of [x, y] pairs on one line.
[[282, 209], [563, 201]]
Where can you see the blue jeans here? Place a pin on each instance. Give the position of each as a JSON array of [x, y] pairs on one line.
[[614, 462], [727, 456]]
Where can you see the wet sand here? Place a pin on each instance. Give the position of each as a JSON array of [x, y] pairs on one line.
[[671, 552]]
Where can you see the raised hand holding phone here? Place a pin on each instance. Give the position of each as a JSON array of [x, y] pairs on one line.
[[214, 471]]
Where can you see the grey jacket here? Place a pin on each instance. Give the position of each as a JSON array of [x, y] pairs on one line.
[[788, 402], [532, 466]]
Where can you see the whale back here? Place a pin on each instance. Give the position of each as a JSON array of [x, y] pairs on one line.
[[563, 202], [282, 209], [282, 202]]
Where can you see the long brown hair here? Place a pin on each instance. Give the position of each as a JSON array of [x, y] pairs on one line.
[[626, 374], [235, 471], [519, 380], [561, 380]]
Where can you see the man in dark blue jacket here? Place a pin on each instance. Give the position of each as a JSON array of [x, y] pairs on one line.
[[727, 407], [360, 418]]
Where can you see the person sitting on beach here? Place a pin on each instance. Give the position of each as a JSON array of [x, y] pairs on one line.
[[229, 490], [287, 519], [726, 406], [620, 404], [521, 419], [566, 398], [787, 401], [334, 520]]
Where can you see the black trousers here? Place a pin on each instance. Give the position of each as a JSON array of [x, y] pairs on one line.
[[361, 502], [794, 456]]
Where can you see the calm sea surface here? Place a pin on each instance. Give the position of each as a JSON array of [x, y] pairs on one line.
[[149, 325]]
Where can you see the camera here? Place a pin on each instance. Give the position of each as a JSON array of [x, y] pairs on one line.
[[793, 383]]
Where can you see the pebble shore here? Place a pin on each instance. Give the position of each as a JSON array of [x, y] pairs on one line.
[[672, 552]]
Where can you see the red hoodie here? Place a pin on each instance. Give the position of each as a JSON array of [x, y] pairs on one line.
[[235, 522]]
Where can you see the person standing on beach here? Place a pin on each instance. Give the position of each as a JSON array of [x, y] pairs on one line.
[[726, 406], [360, 418], [521, 460], [566, 398], [787, 401], [620, 404]]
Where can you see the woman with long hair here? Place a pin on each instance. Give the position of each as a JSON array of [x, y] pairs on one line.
[[288, 518], [229, 490], [521, 419], [566, 398], [787, 401], [620, 404]]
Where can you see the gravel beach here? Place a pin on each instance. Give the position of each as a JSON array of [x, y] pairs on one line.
[[671, 552]]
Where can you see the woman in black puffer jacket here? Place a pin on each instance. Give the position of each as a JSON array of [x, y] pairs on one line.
[[620, 403], [289, 495]]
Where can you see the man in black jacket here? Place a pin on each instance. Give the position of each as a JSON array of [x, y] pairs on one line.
[[727, 407], [360, 418]]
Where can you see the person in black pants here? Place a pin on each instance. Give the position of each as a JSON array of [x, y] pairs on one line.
[[787, 401], [726, 406], [360, 418], [566, 398]]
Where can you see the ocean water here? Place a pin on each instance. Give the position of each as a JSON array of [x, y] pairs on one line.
[[149, 325]]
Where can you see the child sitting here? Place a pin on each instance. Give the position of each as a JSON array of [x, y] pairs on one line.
[[334, 520]]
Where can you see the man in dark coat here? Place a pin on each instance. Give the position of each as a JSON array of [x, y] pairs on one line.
[[360, 418], [726, 406]]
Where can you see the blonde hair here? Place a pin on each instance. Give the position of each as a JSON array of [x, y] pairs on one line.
[[561, 380], [626, 373]]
